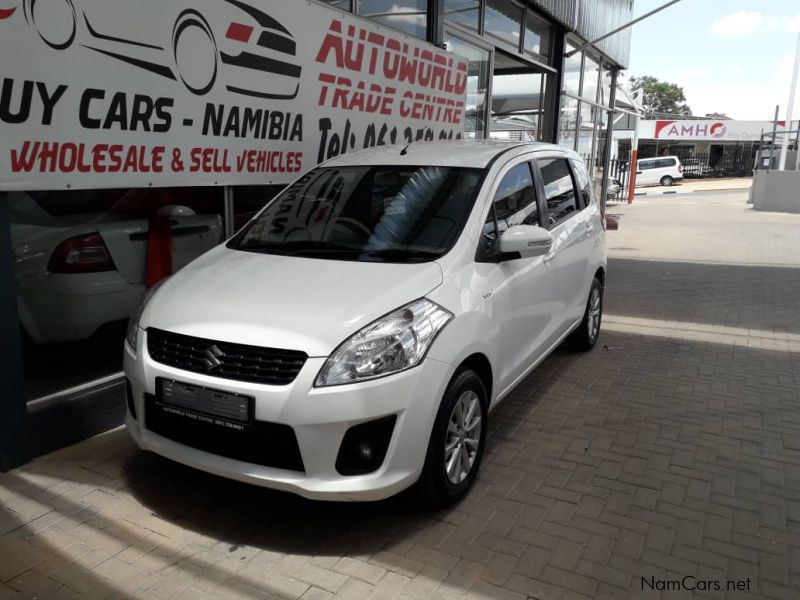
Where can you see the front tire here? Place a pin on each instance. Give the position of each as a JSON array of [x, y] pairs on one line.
[[667, 181], [585, 336], [457, 441]]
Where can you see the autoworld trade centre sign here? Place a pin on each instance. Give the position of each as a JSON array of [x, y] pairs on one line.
[[106, 93]]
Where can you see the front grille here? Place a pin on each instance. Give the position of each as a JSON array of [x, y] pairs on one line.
[[261, 443], [225, 359]]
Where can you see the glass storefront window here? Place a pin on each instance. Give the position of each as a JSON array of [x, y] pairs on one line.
[[340, 4], [503, 20], [410, 16], [517, 100], [477, 85], [82, 262], [572, 72], [517, 107], [591, 75], [568, 121], [537, 37], [463, 12], [596, 173], [586, 132]]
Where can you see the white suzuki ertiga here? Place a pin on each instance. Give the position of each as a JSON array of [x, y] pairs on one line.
[[352, 338]]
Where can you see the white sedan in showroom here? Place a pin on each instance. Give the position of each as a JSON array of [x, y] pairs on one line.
[[79, 256], [351, 340]]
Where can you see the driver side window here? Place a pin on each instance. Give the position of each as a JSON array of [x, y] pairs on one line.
[[514, 202]]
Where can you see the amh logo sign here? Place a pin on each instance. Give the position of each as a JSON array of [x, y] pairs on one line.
[[670, 129]]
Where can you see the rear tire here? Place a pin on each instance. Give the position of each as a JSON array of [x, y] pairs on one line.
[[667, 181], [585, 336], [455, 448]]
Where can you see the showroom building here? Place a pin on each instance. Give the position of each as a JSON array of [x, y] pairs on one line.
[[132, 143]]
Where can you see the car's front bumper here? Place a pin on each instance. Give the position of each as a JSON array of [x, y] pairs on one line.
[[320, 417]]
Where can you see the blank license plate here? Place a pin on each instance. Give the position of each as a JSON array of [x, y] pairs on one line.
[[194, 401]]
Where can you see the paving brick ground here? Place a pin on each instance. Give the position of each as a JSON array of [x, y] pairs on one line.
[[672, 450]]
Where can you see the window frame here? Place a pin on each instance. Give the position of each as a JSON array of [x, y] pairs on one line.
[[484, 253], [649, 164], [667, 162], [499, 41], [573, 164], [535, 193], [465, 37], [450, 23], [547, 59], [428, 25], [568, 159], [353, 10]]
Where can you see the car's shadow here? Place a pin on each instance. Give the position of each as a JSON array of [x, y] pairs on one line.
[[239, 514]]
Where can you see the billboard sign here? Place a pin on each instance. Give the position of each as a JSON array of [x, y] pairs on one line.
[[107, 93]]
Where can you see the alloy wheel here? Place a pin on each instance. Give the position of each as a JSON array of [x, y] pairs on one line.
[[595, 310], [463, 437]]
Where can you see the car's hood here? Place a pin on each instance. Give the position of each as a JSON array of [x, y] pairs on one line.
[[284, 302]]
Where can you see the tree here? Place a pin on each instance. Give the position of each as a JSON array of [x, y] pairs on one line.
[[660, 98]]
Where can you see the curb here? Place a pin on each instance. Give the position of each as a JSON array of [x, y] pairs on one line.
[[743, 189]]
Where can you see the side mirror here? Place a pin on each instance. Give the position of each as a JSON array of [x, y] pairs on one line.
[[526, 240]]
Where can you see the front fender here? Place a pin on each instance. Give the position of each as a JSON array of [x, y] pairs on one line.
[[468, 334]]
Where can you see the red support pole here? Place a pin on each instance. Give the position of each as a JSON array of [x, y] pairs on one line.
[[632, 176]]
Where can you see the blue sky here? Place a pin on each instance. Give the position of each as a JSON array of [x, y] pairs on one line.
[[730, 56]]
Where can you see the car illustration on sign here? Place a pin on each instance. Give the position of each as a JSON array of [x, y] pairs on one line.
[[241, 47]]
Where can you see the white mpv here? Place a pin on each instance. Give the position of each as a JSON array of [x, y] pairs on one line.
[[352, 339]]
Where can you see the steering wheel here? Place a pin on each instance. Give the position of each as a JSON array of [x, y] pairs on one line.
[[353, 225]]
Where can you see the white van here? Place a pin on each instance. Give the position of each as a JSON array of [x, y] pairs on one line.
[[664, 170]]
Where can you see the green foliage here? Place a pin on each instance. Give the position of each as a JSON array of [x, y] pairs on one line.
[[660, 97]]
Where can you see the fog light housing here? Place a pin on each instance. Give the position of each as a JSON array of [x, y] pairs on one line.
[[364, 446]]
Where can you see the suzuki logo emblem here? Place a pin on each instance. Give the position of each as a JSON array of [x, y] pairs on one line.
[[211, 357]]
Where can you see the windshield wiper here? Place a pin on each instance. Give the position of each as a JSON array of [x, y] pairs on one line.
[[400, 254], [297, 247]]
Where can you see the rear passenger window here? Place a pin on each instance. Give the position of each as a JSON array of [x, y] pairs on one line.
[[515, 200], [559, 191], [657, 163], [584, 184]]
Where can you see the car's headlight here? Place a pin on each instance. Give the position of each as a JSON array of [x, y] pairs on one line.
[[132, 335], [391, 344]]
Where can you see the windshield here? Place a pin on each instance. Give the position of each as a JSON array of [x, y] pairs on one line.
[[366, 213]]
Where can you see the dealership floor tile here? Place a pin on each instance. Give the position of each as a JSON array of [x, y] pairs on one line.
[[671, 453]]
